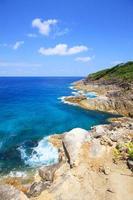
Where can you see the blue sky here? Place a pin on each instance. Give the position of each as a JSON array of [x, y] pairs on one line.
[[64, 37]]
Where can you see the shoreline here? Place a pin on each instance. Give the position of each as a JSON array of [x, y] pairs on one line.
[[86, 160], [81, 150], [74, 87], [108, 98]]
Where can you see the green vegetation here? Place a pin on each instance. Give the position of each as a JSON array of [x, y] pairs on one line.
[[121, 72], [123, 151], [130, 150]]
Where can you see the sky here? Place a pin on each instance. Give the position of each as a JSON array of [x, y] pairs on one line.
[[64, 37]]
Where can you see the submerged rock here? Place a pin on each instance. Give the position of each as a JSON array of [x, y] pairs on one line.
[[75, 99]]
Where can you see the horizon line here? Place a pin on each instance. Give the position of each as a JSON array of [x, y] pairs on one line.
[[37, 76]]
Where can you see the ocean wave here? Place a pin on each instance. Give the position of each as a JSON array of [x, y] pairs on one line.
[[66, 102], [44, 154], [61, 98], [77, 93], [72, 88], [19, 174]]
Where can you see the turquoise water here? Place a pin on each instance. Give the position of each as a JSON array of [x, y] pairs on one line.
[[30, 110]]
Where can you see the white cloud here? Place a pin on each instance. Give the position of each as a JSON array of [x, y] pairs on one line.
[[17, 45], [44, 27], [32, 35], [62, 50], [84, 59], [19, 64]]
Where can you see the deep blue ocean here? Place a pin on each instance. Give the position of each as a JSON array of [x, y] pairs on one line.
[[30, 110]]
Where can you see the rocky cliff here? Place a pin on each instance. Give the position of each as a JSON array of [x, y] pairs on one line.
[[114, 88], [94, 164]]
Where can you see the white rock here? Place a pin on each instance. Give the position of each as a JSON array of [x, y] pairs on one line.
[[72, 143], [96, 149], [99, 130]]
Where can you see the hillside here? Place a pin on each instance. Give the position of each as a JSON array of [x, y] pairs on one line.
[[113, 87], [116, 74]]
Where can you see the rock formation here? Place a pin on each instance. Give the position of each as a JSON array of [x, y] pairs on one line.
[[111, 98], [8, 192], [114, 88], [90, 169], [95, 164]]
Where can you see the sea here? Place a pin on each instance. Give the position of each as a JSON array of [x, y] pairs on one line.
[[31, 109]]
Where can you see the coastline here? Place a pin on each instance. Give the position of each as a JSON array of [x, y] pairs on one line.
[[79, 151], [87, 161], [109, 98], [22, 174]]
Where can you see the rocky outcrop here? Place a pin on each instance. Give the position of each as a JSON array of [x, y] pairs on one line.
[[8, 192], [72, 142], [37, 187], [47, 172], [110, 98], [95, 164], [89, 171]]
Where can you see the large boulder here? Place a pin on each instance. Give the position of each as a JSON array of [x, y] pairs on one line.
[[99, 131], [37, 187], [75, 99], [96, 149], [8, 192], [47, 172], [72, 142]]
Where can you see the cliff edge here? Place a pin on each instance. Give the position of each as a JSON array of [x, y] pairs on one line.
[[114, 89]]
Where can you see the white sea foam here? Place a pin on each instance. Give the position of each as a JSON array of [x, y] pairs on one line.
[[61, 98], [75, 93], [72, 88], [44, 154], [66, 102], [17, 174], [70, 103]]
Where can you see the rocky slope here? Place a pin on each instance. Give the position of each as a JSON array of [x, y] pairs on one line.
[[89, 168], [114, 88], [94, 164]]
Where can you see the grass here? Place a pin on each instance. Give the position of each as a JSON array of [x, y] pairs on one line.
[[123, 151], [121, 72]]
